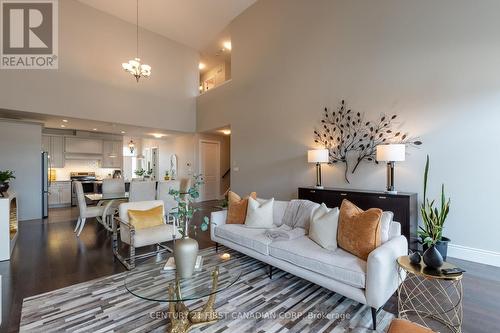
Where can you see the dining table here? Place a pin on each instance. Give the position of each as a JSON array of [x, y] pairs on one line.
[[109, 201]]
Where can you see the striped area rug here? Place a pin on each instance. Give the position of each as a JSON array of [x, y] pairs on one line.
[[254, 304]]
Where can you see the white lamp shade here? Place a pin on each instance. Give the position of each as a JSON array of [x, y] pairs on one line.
[[391, 153], [317, 156]]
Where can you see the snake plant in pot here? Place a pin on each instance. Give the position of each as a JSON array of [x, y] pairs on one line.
[[186, 248], [431, 233]]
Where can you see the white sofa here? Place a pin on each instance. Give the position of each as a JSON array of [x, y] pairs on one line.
[[369, 282]]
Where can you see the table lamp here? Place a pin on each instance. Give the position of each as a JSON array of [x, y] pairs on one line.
[[390, 153], [318, 156]]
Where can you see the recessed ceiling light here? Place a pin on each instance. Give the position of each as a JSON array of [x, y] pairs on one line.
[[201, 66], [158, 135], [94, 129], [63, 125], [65, 120], [227, 45], [123, 132]]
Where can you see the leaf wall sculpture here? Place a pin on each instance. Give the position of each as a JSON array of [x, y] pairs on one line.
[[349, 137]]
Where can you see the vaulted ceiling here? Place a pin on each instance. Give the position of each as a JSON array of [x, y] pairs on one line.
[[194, 23]]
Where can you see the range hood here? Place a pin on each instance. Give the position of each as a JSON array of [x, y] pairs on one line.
[[83, 156]]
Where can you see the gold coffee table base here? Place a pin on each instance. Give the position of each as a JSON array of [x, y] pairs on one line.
[[183, 320], [429, 297]]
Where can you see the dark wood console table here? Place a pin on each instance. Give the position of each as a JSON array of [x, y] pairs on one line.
[[403, 205]]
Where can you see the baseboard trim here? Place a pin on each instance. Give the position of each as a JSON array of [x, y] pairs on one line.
[[473, 254]]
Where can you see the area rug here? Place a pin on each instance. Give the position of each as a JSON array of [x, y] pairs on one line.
[[254, 304]]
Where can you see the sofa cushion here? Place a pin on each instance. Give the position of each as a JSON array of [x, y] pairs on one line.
[[237, 208], [358, 230], [323, 228], [338, 264], [279, 208], [254, 239], [259, 215]]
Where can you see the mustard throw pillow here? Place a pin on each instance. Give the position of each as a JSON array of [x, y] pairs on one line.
[[142, 219], [237, 208], [358, 230]]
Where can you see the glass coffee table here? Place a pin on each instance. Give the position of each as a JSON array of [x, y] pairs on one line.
[[150, 282]]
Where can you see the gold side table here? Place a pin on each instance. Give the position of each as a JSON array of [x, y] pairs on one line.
[[430, 298]]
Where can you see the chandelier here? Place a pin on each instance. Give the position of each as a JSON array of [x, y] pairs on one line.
[[135, 67]]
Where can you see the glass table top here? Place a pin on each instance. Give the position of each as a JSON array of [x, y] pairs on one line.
[[107, 196], [149, 281]]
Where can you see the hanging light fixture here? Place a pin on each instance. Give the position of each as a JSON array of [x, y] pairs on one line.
[[135, 67], [131, 146]]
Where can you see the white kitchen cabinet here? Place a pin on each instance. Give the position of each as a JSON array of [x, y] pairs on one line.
[[112, 154], [60, 194], [83, 146], [54, 145]]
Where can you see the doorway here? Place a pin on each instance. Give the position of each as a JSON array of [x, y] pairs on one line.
[[210, 169]]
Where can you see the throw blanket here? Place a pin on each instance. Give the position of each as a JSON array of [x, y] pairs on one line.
[[284, 233], [298, 213]]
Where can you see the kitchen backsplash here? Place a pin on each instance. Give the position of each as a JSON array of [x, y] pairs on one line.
[[82, 166]]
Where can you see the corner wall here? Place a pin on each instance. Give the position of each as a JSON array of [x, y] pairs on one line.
[[21, 148], [423, 60]]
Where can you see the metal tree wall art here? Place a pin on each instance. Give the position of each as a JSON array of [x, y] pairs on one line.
[[352, 140]]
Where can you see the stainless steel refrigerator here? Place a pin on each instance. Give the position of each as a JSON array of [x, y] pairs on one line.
[[45, 184]]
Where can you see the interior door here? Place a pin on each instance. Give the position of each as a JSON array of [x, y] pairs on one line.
[[209, 168]]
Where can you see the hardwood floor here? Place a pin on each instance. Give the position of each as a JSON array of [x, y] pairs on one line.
[[49, 256]]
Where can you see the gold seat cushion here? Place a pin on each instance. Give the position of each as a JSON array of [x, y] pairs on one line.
[[358, 230], [143, 219], [237, 208], [405, 326]]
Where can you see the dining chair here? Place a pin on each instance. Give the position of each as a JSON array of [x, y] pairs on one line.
[[141, 237], [111, 186], [142, 191], [85, 211], [168, 200]]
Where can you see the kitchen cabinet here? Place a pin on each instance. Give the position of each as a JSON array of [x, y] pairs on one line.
[[83, 146], [112, 154], [60, 194], [54, 145]]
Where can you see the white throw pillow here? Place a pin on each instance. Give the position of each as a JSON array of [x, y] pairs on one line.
[[323, 228], [385, 225], [259, 215]]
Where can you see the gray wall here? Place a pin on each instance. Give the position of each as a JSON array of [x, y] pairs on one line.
[[91, 84], [20, 151], [435, 63]]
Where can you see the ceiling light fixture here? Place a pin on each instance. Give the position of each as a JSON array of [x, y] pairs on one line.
[[134, 66], [158, 135], [226, 131], [201, 66], [122, 132], [227, 45], [65, 120], [63, 126], [94, 129]]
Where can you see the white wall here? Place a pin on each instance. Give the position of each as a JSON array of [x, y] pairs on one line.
[[20, 151], [435, 63], [91, 84]]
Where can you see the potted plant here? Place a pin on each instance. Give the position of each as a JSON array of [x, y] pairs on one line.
[[140, 172], [431, 233], [5, 176], [186, 248]]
